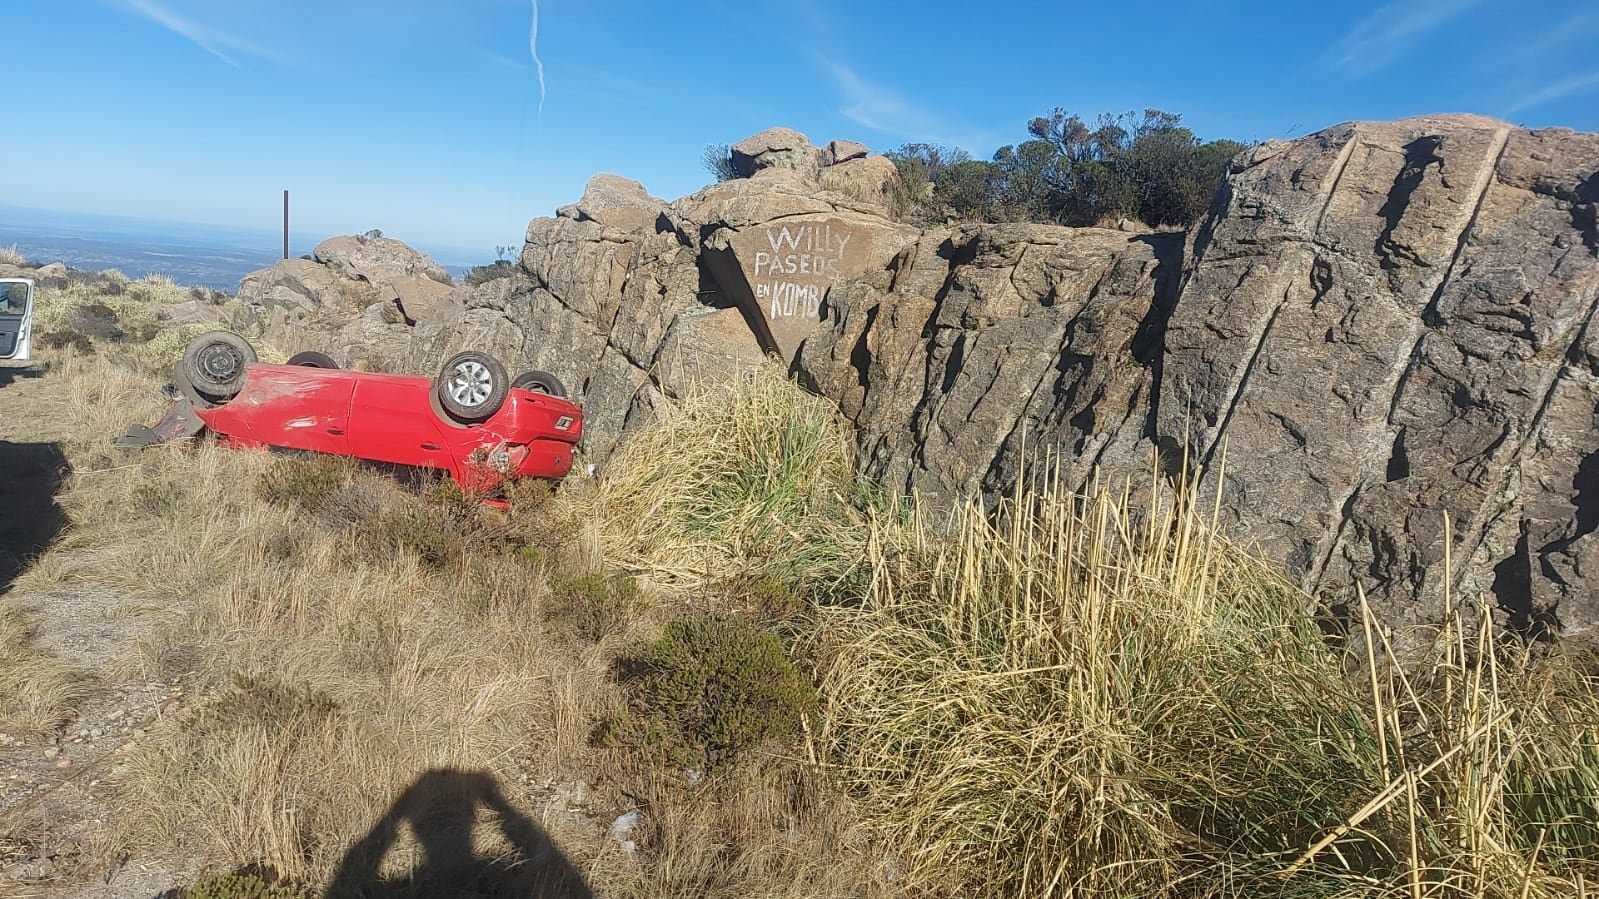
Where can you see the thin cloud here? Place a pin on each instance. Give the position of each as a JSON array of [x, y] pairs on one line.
[[1577, 28], [211, 40], [533, 47], [1578, 84], [1381, 37], [877, 107]]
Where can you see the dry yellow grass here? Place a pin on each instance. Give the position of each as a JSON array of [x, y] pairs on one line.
[[1073, 698], [337, 653], [1093, 698], [38, 691]]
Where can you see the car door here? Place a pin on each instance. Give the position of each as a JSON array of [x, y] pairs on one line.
[[391, 421], [16, 318]]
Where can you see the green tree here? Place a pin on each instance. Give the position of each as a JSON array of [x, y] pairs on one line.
[[1031, 177], [920, 168], [1070, 172], [966, 189]]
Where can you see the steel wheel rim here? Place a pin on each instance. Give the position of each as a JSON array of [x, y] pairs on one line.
[[471, 384], [219, 364]]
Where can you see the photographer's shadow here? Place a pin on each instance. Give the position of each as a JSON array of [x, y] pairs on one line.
[[441, 808]]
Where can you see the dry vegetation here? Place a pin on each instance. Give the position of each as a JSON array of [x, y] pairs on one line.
[[1092, 697], [37, 690]]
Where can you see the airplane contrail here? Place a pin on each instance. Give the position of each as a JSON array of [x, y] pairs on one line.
[[533, 45]]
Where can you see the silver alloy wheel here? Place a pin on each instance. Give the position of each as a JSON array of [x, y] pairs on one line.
[[471, 384]]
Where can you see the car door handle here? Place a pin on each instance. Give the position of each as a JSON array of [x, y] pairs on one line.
[[431, 447], [337, 432]]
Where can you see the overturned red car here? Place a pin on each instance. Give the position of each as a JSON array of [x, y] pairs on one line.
[[471, 420]]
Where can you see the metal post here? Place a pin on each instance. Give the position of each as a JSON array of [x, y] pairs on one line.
[[285, 224]]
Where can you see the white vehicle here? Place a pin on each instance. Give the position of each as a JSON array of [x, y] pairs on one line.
[[16, 318]]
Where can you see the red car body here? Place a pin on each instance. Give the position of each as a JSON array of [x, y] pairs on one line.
[[396, 419]]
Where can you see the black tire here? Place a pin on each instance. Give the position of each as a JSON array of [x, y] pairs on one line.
[[471, 386], [313, 359], [214, 364], [180, 380], [540, 382]]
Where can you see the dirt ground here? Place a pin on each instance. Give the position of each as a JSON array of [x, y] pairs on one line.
[[52, 811]]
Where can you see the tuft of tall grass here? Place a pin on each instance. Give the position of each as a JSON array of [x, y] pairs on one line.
[[755, 479], [1091, 696]]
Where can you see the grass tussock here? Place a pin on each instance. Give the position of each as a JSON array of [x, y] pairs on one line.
[[38, 690], [11, 256], [754, 481], [1093, 699]]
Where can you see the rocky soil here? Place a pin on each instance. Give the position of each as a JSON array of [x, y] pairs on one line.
[[52, 798]]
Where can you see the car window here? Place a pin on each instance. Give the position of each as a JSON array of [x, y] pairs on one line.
[[15, 314], [13, 298]]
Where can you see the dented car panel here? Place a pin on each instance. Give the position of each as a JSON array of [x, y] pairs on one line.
[[394, 419]]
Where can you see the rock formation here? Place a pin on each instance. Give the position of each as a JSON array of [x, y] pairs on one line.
[[1377, 325], [1387, 323], [366, 292]]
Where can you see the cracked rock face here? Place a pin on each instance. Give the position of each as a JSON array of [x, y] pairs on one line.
[[1385, 324], [1378, 326]]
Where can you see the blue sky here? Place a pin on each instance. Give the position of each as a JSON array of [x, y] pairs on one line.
[[453, 123]]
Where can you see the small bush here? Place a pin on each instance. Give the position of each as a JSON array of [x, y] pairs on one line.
[[436, 539], [209, 295], [96, 321], [159, 290], [593, 606], [769, 600], [718, 160], [709, 689], [483, 274], [263, 702], [10, 256], [244, 884], [304, 482]]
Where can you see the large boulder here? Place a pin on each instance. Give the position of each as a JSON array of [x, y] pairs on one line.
[[615, 202], [1387, 324], [375, 259], [991, 344], [356, 298], [776, 149], [865, 178]]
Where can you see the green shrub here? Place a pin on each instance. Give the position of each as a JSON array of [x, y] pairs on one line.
[[243, 884], [483, 274], [593, 606], [304, 482], [435, 536], [709, 689], [766, 599]]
